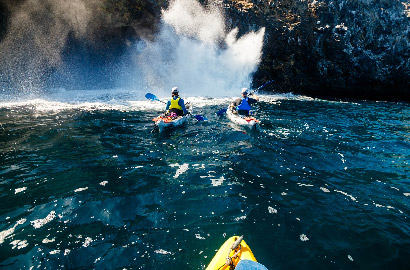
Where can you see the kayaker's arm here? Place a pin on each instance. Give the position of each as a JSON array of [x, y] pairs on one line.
[[255, 97], [182, 104], [235, 103], [168, 104], [232, 106]]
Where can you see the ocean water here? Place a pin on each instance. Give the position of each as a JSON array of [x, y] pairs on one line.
[[89, 184]]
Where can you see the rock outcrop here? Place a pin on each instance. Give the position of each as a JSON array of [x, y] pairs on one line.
[[334, 48]]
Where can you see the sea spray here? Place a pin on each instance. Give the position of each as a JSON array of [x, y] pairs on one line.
[[37, 34], [195, 52]]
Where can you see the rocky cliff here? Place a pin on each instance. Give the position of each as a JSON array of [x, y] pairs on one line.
[[333, 48]]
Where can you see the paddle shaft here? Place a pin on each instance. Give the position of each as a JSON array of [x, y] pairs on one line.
[[153, 98], [260, 87]]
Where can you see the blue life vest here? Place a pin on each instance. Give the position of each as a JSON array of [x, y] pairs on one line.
[[250, 265], [244, 105]]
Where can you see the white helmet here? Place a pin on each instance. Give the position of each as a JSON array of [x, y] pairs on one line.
[[245, 91], [175, 90]]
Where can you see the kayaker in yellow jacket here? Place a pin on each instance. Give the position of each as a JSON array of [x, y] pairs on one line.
[[176, 104]]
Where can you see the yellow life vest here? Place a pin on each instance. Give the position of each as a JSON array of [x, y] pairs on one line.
[[174, 104]]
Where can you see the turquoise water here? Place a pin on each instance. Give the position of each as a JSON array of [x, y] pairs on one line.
[[320, 185]]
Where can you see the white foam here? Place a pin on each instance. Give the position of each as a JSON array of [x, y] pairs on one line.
[[38, 223], [272, 210], [324, 189], [240, 218], [343, 157], [6, 233], [303, 238], [18, 190], [87, 242], [68, 101], [163, 252], [304, 185], [341, 26], [182, 168], [197, 235], [46, 240], [217, 181], [80, 189], [406, 9], [383, 206], [344, 193], [42, 105], [19, 244]]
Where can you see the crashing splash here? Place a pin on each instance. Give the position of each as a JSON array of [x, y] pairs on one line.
[[194, 51]]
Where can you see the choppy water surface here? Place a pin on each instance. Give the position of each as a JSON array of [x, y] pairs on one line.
[[320, 185]]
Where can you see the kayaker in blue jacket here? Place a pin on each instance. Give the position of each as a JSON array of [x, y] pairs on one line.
[[242, 105], [176, 104]]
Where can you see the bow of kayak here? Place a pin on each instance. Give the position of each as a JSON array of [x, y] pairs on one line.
[[239, 253], [248, 121]]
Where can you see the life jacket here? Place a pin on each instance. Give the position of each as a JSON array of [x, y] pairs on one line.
[[174, 104], [244, 105]]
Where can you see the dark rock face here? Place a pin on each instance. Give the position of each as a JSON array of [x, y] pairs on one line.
[[333, 48]]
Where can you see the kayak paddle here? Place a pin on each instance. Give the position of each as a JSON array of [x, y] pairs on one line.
[[200, 117], [154, 98], [221, 111], [260, 87]]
